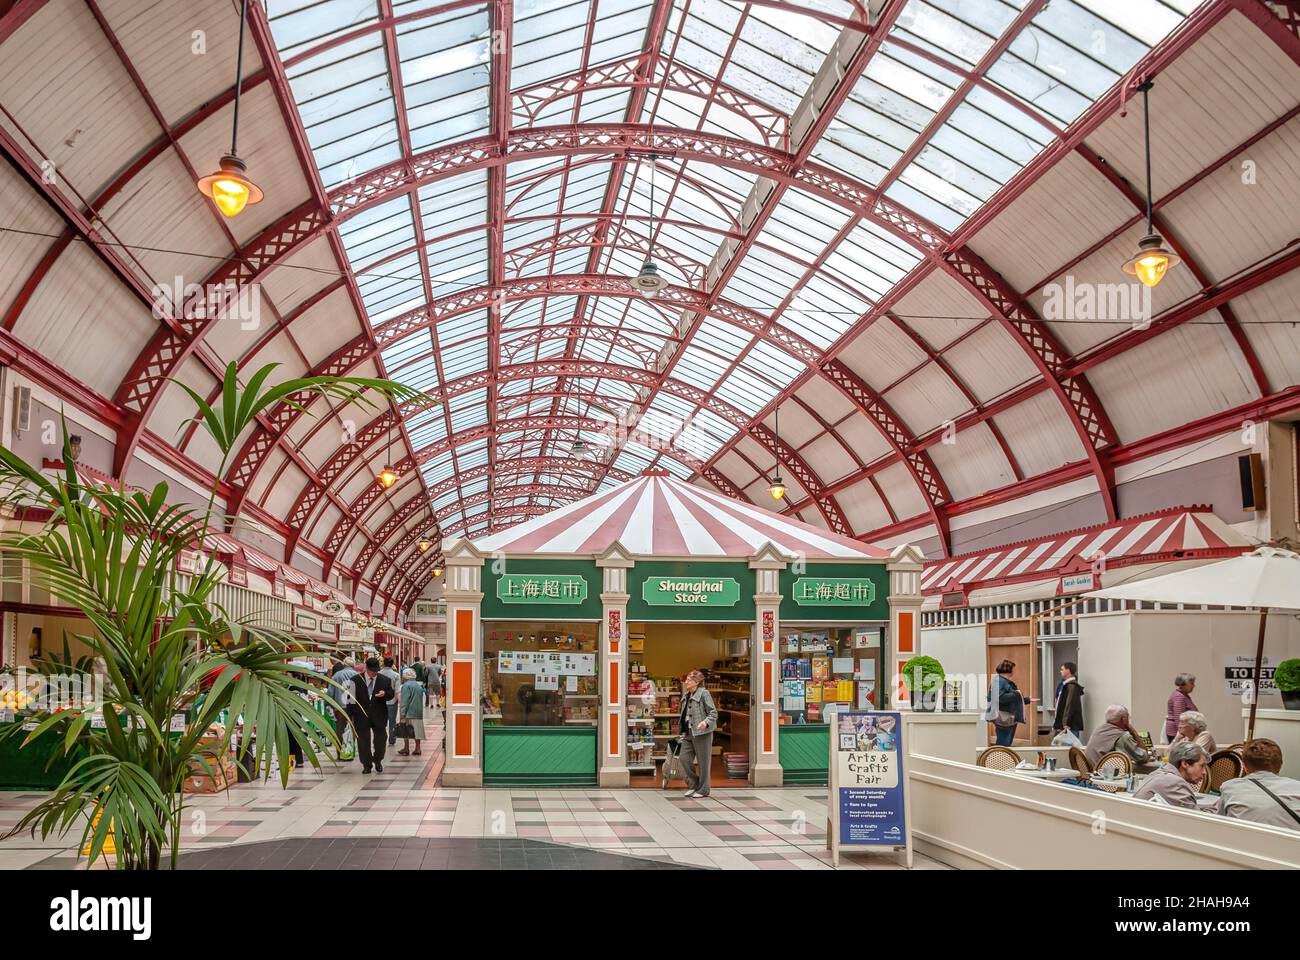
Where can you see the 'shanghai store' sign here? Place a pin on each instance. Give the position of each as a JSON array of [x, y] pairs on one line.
[[691, 591]]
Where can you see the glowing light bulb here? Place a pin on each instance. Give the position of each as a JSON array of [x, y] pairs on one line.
[[1151, 261], [229, 188], [1151, 268], [777, 489], [229, 195], [387, 477], [425, 545]]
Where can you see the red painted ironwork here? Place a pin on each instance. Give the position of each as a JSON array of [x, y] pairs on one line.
[[646, 70], [1076, 396]]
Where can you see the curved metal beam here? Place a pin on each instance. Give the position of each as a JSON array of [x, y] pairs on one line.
[[1081, 405], [248, 462]]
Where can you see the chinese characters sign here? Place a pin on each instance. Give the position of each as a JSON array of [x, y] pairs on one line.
[[541, 588], [833, 591], [691, 591]]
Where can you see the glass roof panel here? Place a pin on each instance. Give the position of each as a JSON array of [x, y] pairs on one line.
[[445, 75]]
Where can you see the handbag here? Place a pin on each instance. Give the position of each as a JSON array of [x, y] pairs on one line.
[[405, 730], [674, 769]]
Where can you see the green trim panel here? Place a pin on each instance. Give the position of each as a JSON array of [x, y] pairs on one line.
[[805, 751], [836, 611], [539, 756], [589, 608], [30, 767]]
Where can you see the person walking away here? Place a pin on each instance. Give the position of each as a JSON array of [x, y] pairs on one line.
[[395, 679], [343, 674], [1006, 706], [699, 718], [1262, 795], [1179, 702], [1068, 716], [372, 692], [411, 710]]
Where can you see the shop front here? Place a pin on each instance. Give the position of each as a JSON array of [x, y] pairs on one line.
[[568, 635]]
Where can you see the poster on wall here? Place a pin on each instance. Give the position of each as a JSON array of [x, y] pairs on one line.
[[1239, 675], [867, 799]]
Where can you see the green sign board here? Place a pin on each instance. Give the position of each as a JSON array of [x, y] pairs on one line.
[[541, 588], [690, 591], [833, 591]]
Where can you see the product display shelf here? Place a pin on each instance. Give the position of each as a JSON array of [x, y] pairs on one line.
[[641, 699]]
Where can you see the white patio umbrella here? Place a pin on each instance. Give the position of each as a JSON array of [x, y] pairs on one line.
[[1268, 578]]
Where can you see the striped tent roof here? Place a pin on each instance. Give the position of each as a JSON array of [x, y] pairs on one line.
[[657, 515], [1180, 533]]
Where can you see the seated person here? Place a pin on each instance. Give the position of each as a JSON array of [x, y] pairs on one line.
[[1193, 726], [1262, 796], [1116, 733], [1179, 780]]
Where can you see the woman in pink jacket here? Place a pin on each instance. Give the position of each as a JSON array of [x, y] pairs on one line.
[[1179, 702]]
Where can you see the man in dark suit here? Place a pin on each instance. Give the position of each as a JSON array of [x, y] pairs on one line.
[[371, 694]]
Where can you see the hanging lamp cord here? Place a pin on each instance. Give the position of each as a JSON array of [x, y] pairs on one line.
[[1146, 128], [239, 78]]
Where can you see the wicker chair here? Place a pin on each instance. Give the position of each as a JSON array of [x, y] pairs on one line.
[[998, 758], [1118, 761], [1079, 760], [1224, 765]]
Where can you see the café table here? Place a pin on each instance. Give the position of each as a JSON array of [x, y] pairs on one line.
[[1037, 773]]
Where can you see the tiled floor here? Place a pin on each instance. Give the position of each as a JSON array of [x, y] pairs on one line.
[[742, 828]]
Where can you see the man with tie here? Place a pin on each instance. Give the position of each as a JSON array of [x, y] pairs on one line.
[[372, 692]]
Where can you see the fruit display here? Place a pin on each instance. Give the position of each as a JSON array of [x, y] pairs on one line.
[[15, 700]]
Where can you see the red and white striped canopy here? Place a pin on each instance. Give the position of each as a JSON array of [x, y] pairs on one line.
[[657, 515], [1179, 533]]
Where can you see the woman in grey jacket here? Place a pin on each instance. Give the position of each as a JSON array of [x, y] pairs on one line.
[[698, 720]]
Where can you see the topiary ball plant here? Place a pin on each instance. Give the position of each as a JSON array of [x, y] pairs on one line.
[[1287, 680], [923, 676], [1286, 677]]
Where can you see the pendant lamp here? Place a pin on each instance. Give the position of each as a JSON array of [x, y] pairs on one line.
[[1152, 258], [229, 188]]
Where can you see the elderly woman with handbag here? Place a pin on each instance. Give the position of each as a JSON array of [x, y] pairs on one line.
[[698, 720], [410, 713]]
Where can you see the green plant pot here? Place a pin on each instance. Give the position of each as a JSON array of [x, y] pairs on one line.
[[1291, 699], [924, 701]]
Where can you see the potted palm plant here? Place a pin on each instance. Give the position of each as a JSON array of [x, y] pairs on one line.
[[1286, 677], [165, 646]]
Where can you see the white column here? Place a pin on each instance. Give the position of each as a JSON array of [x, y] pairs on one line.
[[612, 734], [904, 566], [765, 673], [464, 733]]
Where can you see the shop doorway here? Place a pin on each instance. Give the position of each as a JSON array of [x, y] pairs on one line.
[[1013, 640], [659, 655]]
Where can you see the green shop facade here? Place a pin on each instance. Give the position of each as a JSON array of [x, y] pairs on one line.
[[595, 596]]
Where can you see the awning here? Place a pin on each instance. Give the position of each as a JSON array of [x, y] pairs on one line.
[[657, 515], [1179, 533], [259, 561]]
